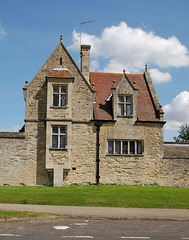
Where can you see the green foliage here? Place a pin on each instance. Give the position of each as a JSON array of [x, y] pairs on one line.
[[102, 196], [183, 134]]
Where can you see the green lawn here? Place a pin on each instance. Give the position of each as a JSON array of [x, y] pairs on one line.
[[102, 196]]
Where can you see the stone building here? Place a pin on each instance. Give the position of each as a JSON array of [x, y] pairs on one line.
[[85, 127]]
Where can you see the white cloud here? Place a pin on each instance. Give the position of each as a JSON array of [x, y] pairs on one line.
[[123, 47], [177, 112], [15, 128], [159, 77], [94, 65]]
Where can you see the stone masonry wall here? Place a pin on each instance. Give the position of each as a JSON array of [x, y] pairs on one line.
[[174, 167], [22, 157], [83, 157], [130, 170], [16, 168], [176, 150]]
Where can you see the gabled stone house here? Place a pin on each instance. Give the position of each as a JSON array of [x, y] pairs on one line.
[[85, 127]]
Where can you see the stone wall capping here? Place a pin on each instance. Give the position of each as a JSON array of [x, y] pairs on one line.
[[177, 143], [17, 135]]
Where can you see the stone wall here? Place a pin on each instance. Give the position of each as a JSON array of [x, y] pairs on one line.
[[16, 168], [83, 155], [19, 167], [174, 167], [131, 169], [22, 157], [175, 150]]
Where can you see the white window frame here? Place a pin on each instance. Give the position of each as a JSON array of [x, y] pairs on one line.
[[116, 147]]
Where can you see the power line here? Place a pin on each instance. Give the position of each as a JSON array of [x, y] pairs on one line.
[[23, 45]]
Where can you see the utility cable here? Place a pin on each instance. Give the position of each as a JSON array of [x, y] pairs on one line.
[[23, 45]]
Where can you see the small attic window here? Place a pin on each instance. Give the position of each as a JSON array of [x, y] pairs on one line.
[[125, 105], [60, 61]]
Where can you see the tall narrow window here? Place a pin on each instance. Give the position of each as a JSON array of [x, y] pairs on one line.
[[59, 96], [128, 105], [139, 147], [132, 147], [125, 147], [110, 147], [118, 147], [125, 105], [54, 137], [56, 96], [58, 137]]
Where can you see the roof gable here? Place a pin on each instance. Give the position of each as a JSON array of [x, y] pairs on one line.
[[125, 85], [103, 83]]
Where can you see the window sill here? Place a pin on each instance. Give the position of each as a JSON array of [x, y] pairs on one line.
[[125, 155], [125, 116], [58, 107], [58, 149]]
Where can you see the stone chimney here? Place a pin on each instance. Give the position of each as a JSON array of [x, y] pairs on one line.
[[85, 59]]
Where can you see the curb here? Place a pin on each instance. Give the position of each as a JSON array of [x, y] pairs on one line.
[[61, 217]]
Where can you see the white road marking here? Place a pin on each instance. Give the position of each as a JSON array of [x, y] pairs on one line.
[[135, 237], [9, 235], [61, 227], [185, 238], [80, 224], [78, 237]]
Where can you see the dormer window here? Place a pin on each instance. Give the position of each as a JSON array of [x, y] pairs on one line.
[[125, 105], [59, 96]]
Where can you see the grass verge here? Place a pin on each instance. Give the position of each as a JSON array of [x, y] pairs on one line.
[[102, 196], [5, 215]]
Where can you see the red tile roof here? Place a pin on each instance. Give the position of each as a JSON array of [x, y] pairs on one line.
[[60, 73], [103, 83]]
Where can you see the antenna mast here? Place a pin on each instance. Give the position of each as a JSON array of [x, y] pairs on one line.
[[81, 28]]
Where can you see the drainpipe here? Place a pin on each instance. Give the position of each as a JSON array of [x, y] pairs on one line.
[[98, 125]]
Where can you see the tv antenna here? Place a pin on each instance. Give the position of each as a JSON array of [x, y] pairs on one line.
[[81, 28]]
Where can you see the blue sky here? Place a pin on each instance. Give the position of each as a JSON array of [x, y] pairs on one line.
[[126, 34]]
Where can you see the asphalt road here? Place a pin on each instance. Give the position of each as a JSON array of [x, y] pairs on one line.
[[95, 229]]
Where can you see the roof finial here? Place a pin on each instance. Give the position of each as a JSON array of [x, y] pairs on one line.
[[124, 71], [146, 68], [114, 84], [61, 38]]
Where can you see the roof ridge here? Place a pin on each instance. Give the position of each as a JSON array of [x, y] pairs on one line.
[[106, 72], [117, 73]]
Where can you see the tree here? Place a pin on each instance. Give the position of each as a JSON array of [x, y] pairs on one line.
[[183, 133]]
